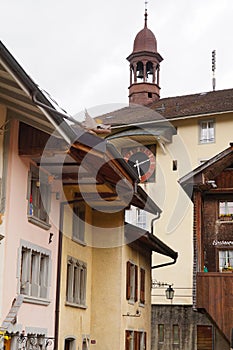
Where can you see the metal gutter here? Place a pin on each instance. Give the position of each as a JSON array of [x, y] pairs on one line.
[[165, 264]]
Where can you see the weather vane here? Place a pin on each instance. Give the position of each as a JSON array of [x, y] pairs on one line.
[[213, 68], [146, 2]]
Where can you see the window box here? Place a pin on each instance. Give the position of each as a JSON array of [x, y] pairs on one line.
[[227, 217]]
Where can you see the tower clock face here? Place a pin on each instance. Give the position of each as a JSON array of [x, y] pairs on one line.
[[142, 160]]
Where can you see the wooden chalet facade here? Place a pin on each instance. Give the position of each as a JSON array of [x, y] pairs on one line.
[[211, 185]]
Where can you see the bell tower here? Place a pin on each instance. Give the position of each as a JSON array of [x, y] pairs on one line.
[[144, 68]]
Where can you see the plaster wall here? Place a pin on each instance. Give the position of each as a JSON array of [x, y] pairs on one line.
[[33, 315], [2, 223], [107, 284], [102, 320], [74, 322], [142, 323]]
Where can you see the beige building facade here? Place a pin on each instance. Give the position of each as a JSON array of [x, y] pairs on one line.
[[105, 271]]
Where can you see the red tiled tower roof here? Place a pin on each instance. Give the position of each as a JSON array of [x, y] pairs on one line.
[[145, 40]]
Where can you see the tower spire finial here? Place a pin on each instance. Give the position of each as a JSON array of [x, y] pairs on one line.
[[146, 2]]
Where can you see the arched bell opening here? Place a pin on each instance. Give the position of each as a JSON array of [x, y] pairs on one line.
[[140, 72], [150, 74]]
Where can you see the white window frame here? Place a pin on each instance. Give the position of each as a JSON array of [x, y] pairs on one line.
[[142, 340], [225, 257], [207, 133], [76, 282], [129, 215], [34, 272], [141, 217], [225, 207], [78, 229]]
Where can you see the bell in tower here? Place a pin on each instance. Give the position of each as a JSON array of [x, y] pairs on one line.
[[144, 68]]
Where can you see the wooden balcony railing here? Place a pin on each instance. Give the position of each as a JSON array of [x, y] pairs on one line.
[[215, 295]]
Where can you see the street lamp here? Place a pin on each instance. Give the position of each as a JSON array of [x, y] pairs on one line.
[[169, 292]]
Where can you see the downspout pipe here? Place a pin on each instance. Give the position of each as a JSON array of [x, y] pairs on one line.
[[173, 255], [58, 286], [231, 338], [152, 222]]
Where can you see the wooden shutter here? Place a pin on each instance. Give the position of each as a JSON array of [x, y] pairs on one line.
[[204, 338], [128, 265], [44, 266], [142, 285], [136, 340], [127, 340], [35, 270], [136, 284], [25, 270], [29, 185]]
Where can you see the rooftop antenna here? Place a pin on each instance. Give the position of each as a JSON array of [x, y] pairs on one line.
[[213, 68], [146, 2]]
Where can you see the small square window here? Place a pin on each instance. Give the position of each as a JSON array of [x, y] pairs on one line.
[[207, 131]]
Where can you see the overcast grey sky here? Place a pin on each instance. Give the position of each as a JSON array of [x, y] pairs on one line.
[[77, 50]]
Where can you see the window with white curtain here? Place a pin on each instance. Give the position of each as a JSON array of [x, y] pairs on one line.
[[39, 197], [225, 259], [141, 218], [207, 131], [225, 208]]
